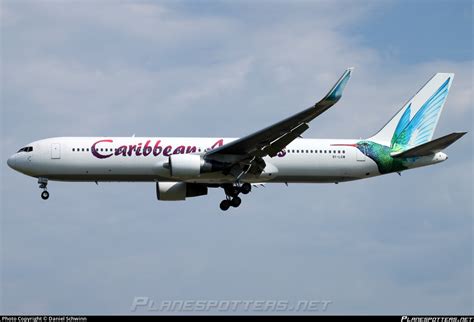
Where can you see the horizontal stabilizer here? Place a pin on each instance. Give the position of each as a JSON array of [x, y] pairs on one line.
[[431, 147]]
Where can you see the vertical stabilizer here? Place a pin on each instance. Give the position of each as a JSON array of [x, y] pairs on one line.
[[416, 122]]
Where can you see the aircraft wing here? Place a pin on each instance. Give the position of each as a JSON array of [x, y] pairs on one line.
[[274, 138]]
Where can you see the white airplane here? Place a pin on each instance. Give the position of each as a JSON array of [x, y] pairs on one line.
[[187, 167]]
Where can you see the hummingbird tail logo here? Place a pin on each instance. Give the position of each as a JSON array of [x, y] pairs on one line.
[[414, 124]]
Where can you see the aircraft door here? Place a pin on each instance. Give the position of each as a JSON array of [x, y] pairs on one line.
[[55, 151]]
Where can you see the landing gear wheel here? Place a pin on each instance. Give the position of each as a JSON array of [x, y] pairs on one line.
[[225, 204], [235, 202], [45, 195], [231, 191], [246, 188]]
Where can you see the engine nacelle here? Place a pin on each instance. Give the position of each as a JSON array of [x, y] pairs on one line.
[[191, 165], [185, 165], [173, 191]]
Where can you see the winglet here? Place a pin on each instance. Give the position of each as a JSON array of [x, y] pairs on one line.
[[336, 92]]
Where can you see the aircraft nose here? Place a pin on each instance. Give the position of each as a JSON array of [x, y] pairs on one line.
[[12, 161]]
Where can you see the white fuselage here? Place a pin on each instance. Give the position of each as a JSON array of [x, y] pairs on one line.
[[142, 159]]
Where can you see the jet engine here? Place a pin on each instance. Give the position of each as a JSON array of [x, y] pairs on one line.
[[185, 165], [191, 165], [172, 191]]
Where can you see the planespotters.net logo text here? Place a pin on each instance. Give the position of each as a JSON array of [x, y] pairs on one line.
[[146, 304]]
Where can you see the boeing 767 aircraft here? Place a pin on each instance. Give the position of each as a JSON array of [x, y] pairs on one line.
[[187, 167]]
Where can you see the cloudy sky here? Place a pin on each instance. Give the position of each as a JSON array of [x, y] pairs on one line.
[[219, 68]]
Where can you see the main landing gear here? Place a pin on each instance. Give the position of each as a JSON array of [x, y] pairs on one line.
[[232, 192], [43, 183]]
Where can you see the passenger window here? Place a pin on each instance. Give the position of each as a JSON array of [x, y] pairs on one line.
[[324, 151], [82, 149]]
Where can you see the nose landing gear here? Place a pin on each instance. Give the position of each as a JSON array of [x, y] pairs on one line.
[[45, 195], [232, 195], [43, 183]]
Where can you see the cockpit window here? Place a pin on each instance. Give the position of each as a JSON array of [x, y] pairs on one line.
[[26, 149]]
